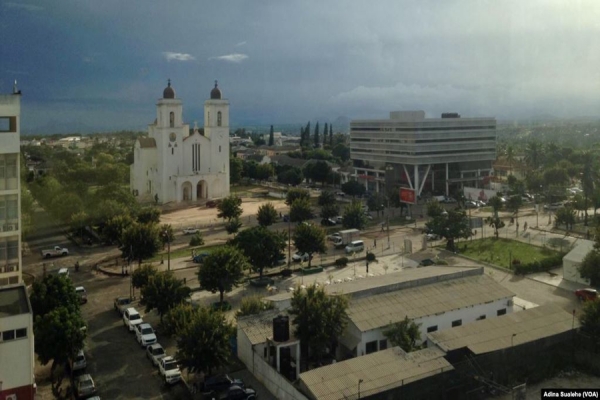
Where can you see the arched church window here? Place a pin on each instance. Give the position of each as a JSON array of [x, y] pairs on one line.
[[219, 118], [172, 119]]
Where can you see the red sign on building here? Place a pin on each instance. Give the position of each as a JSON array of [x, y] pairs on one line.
[[407, 196]]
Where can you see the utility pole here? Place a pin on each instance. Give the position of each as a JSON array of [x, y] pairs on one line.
[[289, 241]]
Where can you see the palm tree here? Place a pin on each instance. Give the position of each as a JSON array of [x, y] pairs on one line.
[[510, 158], [533, 154], [589, 176]]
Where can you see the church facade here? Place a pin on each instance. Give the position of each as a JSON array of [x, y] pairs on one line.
[[173, 165]]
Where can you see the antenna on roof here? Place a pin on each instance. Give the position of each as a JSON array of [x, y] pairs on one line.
[[15, 90]]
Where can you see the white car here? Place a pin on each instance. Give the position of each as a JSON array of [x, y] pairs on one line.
[[300, 257], [131, 318], [169, 370], [79, 362], [63, 272], [144, 334], [339, 219], [154, 353], [190, 231]]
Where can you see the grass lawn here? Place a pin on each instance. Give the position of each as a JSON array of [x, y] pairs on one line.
[[184, 252], [500, 251]]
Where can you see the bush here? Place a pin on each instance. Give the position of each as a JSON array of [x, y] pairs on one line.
[[371, 257], [341, 262], [253, 305], [197, 240], [543, 265]]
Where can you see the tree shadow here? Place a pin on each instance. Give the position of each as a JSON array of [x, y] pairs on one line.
[[558, 243]]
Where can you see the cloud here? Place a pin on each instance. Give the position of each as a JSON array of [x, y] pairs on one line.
[[22, 6], [240, 44], [234, 58], [170, 56]]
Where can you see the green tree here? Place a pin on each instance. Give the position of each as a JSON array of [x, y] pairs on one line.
[[354, 216], [203, 343], [271, 137], [513, 204], [316, 136], [590, 319], [177, 319], [326, 198], [58, 337], [317, 171], [114, 228], [341, 151], [291, 176], [230, 207], [266, 215], [222, 270], [264, 172], [376, 202], [149, 215], [534, 154], [140, 241], [142, 275], [300, 210], [296, 193], [167, 235], [325, 131], [434, 209], [163, 292], [589, 177], [331, 135], [236, 167], [330, 211], [565, 216], [261, 247], [353, 188], [233, 225], [451, 225], [52, 292], [404, 334], [309, 239], [197, 239], [318, 319]]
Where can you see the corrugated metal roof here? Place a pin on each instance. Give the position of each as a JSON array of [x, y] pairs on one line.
[[380, 371], [380, 310], [497, 333], [260, 327]]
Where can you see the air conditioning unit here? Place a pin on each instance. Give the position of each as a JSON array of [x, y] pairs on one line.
[[11, 397]]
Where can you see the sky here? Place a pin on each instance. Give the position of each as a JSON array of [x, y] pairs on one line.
[[102, 65]]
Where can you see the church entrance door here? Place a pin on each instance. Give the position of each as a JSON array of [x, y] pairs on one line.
[[201, 190], [187, 191]]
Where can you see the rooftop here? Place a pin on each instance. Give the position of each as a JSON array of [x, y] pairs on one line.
[[497, 333], [379, 372], [581, 249], [374, 312], [13, 301], [259, 328], [391, 282]]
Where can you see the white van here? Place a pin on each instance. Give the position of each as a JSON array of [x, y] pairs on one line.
[[355, 246]]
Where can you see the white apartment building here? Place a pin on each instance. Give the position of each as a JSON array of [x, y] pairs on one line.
[[10, 189], [428, 155], [16, 344]]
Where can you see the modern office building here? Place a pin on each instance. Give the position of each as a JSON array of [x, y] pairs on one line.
[[429, 155], [10, 189]]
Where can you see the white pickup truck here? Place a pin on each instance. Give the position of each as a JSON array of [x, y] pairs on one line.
[[57, 251]]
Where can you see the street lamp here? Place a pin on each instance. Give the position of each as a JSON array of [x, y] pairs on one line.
[[168, 239], [512, 338], [388, 172]]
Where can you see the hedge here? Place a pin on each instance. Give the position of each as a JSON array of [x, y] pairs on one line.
[[542, 265], [341, 262]]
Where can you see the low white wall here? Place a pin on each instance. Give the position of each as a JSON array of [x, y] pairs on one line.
[[571, 272]]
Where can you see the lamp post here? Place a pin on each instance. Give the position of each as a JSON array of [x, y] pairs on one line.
[[359, 382], [512, 339], [388, 172], [168, 239], [289, 242]]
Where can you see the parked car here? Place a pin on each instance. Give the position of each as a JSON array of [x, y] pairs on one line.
[[368, 216], [471, 204], [84, 386], [154, 353], [432, 236], [340, 194], [144, 334], [286, 218], [301, 257], [121, 304], [212, 203], [553, 206], [80, 290], [239, 393], [334, 237], [64, 272], [169, 370], [426, 262], [339, 219], [356, 246], [190, 231], [220, 383], [328, 222], [199, 258], [586, 294], [79, 362], [131, 318]]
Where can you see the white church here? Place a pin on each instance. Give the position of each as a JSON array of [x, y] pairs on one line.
[[172, 165]]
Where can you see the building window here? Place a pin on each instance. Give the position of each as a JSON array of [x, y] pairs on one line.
[[196, 157], [458, 322], [21, 333], [8, 171], [501, 312], [172, 151], [219, 149], [481, 317], [219, 118], [172, 119], [8, 124], [382, 344], [371, 347], [432, 329], [8, 335]]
